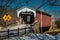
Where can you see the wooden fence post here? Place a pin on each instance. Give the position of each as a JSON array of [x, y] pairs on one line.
[[8, 33], [25, 30], [18, 31]]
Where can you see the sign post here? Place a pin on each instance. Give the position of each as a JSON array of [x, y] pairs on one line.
[[6, 18]]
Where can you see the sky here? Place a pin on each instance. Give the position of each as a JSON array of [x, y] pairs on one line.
[[46, 7]]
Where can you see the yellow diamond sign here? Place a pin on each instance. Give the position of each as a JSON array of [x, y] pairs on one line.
[[6, 17]]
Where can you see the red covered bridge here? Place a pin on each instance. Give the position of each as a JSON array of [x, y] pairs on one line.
[[28, 15], [44, 20]]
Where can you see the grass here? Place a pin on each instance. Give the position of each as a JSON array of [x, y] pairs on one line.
[[53, 31]]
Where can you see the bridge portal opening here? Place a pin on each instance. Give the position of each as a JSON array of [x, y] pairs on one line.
[[27, 17]]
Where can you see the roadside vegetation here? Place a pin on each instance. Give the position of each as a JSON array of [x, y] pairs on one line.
[[58, 23]]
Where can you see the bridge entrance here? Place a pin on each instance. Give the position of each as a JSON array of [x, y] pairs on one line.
[[27, 17]]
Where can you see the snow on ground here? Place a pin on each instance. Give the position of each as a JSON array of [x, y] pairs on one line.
[[34, 37], [16, 27], [58, 36], [50, 37]]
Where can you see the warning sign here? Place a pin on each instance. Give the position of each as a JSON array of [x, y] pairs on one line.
[[6, 17]]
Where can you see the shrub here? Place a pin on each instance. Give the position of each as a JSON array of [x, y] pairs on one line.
[[58, 23]]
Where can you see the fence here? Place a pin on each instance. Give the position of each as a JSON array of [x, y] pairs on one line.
[[16, 32]]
